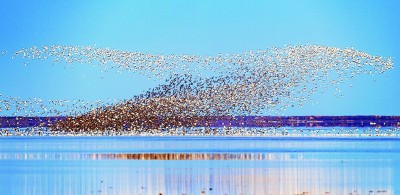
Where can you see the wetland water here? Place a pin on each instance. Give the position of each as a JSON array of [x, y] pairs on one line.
[[199, 165]]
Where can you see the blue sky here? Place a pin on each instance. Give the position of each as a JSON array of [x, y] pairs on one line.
[[197, 27]]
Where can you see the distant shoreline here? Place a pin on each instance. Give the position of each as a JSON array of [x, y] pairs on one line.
[[238, 121]]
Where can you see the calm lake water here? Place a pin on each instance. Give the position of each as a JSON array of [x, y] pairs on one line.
[[199, 165]]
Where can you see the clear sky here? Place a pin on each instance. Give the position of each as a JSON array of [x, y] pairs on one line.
[[197, 27]]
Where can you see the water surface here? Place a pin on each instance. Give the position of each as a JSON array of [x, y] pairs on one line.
[[198, 165]]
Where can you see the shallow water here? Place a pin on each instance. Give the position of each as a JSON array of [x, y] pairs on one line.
[[199, 165]]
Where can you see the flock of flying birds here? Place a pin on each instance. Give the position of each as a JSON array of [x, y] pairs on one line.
[[195, 87]]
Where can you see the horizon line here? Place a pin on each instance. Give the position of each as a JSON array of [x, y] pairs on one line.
[[237, 121]]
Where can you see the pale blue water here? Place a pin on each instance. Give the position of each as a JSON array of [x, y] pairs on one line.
[[234, 165]]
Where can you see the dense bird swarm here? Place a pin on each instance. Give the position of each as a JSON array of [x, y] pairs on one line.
[[243, 84]]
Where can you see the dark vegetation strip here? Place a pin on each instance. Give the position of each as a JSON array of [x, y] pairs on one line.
[[239, 121]]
